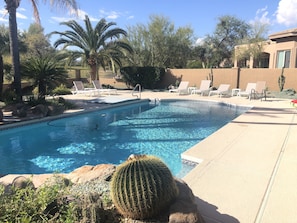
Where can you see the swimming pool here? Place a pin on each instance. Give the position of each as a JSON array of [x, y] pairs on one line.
[[165, 129]]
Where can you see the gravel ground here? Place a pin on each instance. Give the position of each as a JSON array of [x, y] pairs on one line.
[[100, 187]]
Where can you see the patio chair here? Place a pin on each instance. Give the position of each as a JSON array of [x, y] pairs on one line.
[[80, 89], [223, 89], [204, 87], [248, 90], [99, 89], [259, 91], [182, 88]]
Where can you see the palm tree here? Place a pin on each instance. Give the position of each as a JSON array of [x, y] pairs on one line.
[[97, 46], [46, 72], [11, 7]]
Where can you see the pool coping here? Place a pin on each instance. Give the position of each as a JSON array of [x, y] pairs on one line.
[[69, 113]]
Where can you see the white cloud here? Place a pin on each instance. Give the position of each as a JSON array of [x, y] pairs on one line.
[[93, 19], [21, 9], [261, 16], [286, 12], [109, 15], [4, 15], [77, 15], [60, 19], [130, 17], [80, 15], [199, 42], [19, 13], [113, 15], [3, 20], [21, 16]]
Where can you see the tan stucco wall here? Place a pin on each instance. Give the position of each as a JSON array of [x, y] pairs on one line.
[[234, 76], [194, 76], [274, 47], [231, 76]]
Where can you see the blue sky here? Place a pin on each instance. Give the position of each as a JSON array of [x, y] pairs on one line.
[[201, 16]]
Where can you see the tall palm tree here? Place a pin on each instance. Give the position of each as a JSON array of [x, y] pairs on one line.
[[97, 46], [11, 7]]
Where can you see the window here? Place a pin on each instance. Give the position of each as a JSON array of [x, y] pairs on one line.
[[283, 59]]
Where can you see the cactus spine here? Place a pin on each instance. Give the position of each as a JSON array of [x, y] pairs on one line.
[[142, 187]]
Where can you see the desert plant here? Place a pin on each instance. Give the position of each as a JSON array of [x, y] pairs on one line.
[[142, 187], [45, 72], [210, 77], [281, 80], [61, 90], [58, 200], [9, 96], [30, 205], [147, 77]]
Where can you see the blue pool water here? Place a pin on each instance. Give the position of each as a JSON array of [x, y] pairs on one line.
[[110, 136]]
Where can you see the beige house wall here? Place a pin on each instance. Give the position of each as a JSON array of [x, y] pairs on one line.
[[282, 41], [237, 78], [272, 48]]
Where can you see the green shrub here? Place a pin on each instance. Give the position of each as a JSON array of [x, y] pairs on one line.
[[60, 101], [31, 205], [147, 77], [61, 90], [9, 96], [55, 202]]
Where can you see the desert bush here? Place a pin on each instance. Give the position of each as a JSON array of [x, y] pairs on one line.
[[61, 90], [147, 77], [31, 205], [55, 203]]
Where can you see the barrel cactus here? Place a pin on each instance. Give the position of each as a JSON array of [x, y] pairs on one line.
[[142, 187]]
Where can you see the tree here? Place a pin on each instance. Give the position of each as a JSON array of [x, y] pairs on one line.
[[11, 6], [98, 46], [254, 43], [37, 43], [4, 48], [229, 32], [200, 52], [46, 72], [159, 44]]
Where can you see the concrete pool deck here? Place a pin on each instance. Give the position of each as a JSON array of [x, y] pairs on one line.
[[248, 171]]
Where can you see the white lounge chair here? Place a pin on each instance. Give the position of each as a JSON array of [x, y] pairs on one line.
[[204, 87], [259, 91], [223, 89], [248, 90], [182, 88], [80, 89], [99, 88]]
